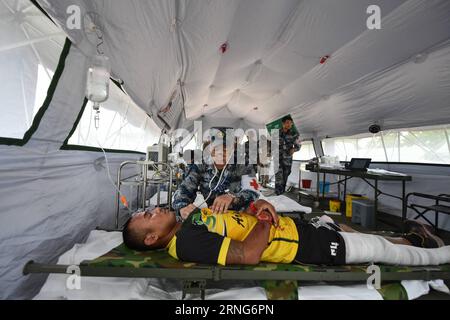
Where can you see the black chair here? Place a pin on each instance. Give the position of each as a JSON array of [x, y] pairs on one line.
[[437, 207]]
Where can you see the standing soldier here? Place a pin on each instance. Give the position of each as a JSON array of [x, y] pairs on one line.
[[289, 143]]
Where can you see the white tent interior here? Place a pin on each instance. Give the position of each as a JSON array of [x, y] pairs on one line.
[[240, 63]]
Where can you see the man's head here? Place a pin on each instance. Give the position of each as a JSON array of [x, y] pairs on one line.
[[287, 122], [220, 154], [149, 230], [219, 146]]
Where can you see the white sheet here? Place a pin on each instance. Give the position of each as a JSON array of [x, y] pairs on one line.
[[283, 203], [98, 288]]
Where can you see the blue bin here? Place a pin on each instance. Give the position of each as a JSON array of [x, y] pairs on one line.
[[323, 186]]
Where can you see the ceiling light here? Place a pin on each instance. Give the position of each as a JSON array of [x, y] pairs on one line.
[[420, 58]]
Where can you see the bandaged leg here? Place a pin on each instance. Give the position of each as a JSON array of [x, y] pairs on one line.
[[362, 248]]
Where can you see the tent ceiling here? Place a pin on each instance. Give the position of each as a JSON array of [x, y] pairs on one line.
[[20, 19], [265, 54]]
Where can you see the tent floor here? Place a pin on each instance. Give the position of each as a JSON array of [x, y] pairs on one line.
[[385, 222]]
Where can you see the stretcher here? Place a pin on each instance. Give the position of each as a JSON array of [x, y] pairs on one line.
[[279, 280]]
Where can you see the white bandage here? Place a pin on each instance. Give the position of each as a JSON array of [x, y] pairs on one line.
[[362, 248]]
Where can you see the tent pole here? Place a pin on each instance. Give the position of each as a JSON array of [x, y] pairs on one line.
[[448, 140], [25, 104], [425, 147], [384, 147], [41, 33], [8, 7], [36, 53], [27, 8], [30, 41]]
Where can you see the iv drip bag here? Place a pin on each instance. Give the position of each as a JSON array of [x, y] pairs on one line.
[[97, 84]]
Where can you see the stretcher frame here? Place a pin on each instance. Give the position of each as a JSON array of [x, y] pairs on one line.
[[195, 279]]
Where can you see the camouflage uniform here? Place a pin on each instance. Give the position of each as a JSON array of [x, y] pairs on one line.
[[200, 175], [288, 140]]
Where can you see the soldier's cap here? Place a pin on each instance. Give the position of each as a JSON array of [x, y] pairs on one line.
[[219, 135]]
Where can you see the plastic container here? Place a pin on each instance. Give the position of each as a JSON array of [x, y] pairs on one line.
[[97, 82], [364, 210], [335, 205], [306, 183], [348, 203], [324, 187]]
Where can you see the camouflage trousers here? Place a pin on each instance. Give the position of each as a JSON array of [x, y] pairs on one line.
[[282, 175]]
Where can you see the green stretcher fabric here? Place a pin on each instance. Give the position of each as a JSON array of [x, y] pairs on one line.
[[121, 256]]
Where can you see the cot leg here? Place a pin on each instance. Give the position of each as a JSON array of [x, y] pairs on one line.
[[376, 202], [280, 289], [404, 204], [323, 186], [344, 207], [194, 287]]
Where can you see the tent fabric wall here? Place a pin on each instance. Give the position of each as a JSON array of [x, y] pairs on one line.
[[265, 54], [49, 202], [51, 198], [65, 105], [30, 46]]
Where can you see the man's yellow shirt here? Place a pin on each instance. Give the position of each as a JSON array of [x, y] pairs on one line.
[[222, 228]]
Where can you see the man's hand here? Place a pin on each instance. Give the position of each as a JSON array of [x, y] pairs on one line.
[[184, 212], [221, 203], [263, 205], [265, 217], [292, 151]]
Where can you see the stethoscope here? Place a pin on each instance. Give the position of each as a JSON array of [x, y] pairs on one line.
[[219, 182]]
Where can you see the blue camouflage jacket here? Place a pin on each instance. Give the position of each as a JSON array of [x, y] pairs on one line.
[[288, 140], [198, 176]]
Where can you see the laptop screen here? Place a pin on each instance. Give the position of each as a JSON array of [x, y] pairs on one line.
[[360, 163]]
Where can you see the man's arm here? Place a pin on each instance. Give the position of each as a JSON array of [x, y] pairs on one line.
[[243, 199], [297, 144], [262, 206], [187, 191], [250, 250]]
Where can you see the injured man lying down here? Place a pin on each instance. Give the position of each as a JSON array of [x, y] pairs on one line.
[[250, 237]]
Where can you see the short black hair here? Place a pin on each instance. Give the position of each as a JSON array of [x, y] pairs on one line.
[[133, 240], [286, 118]]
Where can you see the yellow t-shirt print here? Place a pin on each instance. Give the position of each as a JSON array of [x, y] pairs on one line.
[[283, 241]]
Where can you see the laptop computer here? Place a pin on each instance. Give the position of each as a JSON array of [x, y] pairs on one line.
[[358, 164]]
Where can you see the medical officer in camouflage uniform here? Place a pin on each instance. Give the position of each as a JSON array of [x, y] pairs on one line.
[[219, 195], [288, 144]]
